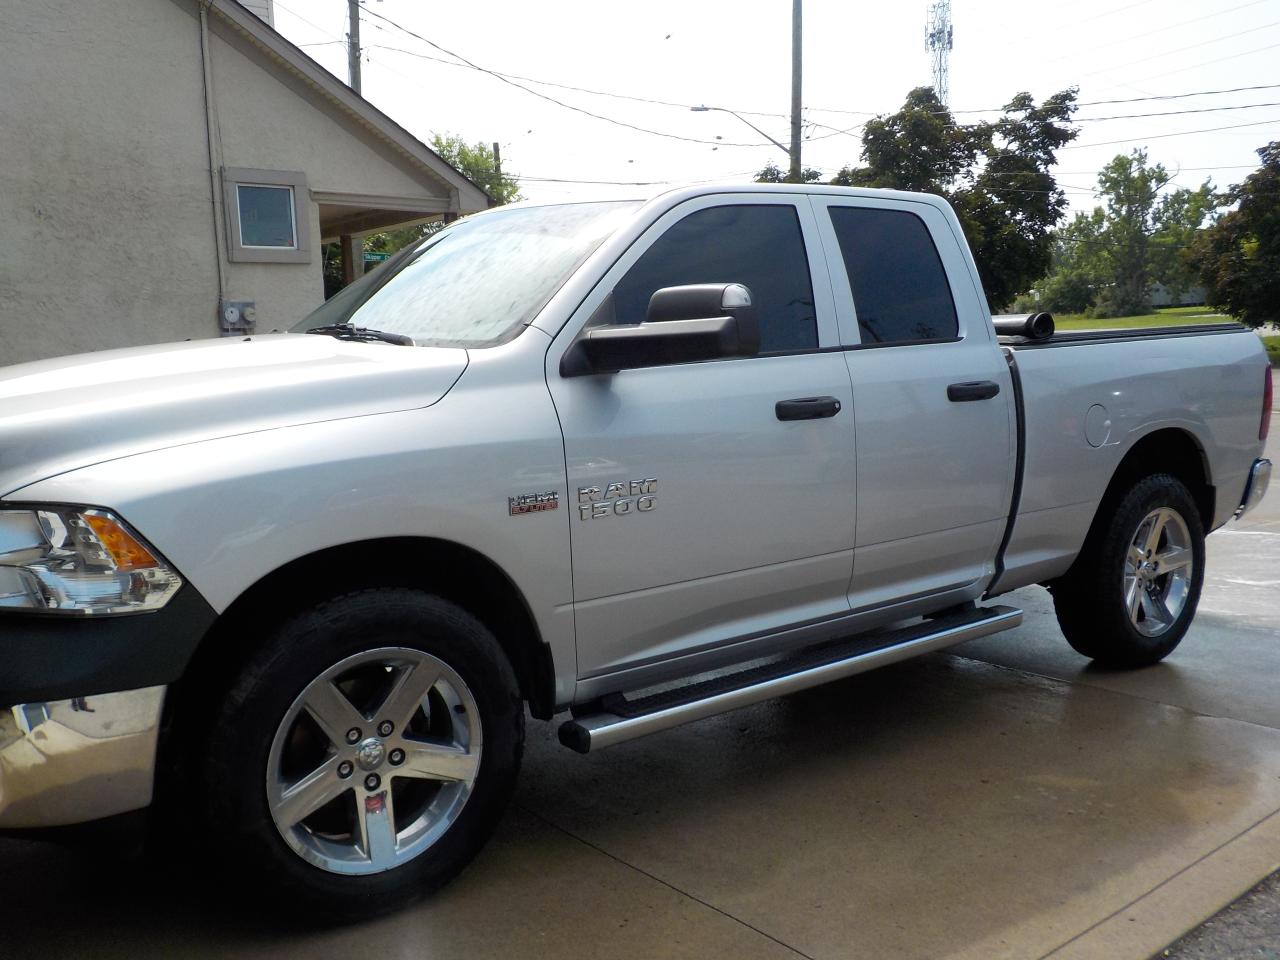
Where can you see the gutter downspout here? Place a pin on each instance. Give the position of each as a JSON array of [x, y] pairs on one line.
[[210, 127]]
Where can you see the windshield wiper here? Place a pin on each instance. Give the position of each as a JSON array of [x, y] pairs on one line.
[[345, 331]]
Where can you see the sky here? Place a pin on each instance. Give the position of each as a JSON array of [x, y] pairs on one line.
[[859, 60]]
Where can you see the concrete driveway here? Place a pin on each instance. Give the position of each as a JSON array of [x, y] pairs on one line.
[[1003, 799]]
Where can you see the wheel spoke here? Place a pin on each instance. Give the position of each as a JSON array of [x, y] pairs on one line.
[[1174, 558], [407, 694], [1132, 597], [1157, 528], [331, 709], [1154, 609], [299, 800], [378, 829], [1135, 559], [432, 761]]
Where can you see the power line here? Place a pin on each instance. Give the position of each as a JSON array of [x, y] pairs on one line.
[[565, 86], [506, 77], [1161, 136], [1205, 63], [551, 99], [1176, 113], [1084, 103], [1165, 29], [1193, 46], [835, 132]]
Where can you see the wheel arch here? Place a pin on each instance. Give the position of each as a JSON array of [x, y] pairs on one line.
[[1171, 450], [444, 567], [449, 569]]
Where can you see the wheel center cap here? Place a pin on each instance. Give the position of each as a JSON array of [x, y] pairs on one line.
[[369, 754]]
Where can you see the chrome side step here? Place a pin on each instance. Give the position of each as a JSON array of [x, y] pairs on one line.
[[617, 719]]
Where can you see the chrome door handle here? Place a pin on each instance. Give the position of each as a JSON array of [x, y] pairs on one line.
[[807, 408], [972, 390]]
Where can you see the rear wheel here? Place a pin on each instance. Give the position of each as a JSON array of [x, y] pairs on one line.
[[365, 753], [1132, 593]]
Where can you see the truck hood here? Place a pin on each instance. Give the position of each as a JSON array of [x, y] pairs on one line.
[[59, 415]]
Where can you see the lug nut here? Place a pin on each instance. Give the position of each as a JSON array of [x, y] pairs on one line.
[[385, 728], [344, 769], [353, 735], [396, 757], [372, 782]]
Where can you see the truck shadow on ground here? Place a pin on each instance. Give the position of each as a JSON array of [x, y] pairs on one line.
[[911, 811]]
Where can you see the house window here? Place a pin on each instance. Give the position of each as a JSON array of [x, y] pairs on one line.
[[268, 215]]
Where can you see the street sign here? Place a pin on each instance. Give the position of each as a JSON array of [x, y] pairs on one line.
[[375, 257]]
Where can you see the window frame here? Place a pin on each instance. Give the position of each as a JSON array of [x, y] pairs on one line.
[[815, 257], [233, 178], [954, 270]]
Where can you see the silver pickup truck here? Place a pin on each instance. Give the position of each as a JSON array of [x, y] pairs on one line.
[[633, 462]]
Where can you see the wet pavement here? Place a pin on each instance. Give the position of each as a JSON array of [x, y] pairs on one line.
[[1000, 800]]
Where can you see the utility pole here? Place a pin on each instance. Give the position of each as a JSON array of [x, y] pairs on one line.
[[796, 45], [497, 159], [353, 44]]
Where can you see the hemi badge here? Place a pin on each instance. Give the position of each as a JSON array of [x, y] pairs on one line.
[[533, 503]]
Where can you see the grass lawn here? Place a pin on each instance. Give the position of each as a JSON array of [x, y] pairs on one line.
[[1273, 348], [1165, 316]]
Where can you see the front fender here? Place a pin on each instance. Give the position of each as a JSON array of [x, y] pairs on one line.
[[227, 512]]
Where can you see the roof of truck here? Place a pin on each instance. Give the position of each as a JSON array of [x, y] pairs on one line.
[[641, 192]]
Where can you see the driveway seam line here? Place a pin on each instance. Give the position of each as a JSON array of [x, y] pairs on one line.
[[1165, 882], [1120, 693], [656, 879]]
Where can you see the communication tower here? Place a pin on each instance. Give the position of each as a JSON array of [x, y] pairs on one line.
[[937, 38]]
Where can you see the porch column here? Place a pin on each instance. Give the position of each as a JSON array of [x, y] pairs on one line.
[[352, 258]]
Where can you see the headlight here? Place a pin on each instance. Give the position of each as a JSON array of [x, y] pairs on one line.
[[78, 561]]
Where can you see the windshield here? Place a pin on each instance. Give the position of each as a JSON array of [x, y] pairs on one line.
[[480, 280]]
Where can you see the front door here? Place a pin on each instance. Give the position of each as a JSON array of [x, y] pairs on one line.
[[699, 517]]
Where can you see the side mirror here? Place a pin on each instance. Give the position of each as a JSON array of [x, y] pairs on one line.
[[705, 321]]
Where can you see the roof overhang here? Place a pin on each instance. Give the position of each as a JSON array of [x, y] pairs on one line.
[[466, 195]]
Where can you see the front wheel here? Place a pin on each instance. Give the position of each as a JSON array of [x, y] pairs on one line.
[[1132, 593], [365, 754]]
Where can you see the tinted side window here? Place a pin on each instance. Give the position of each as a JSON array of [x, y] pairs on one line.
[[900, 290], [760, 246]]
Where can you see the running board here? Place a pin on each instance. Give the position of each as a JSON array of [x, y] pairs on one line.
[[615, 719]]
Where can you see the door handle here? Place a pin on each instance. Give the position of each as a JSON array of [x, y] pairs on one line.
[[973, 390], [807, 408]]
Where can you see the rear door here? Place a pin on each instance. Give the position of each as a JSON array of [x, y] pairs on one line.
[[933, 401], [698, 516]]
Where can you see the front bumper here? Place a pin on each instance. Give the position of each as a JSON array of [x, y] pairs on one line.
[[1256, 487], [80, 705], [70, 761]]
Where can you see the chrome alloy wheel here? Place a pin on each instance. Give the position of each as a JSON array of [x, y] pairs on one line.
[[374, 761], [1157, 571]]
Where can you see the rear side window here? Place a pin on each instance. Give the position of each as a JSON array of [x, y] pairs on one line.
[[900, 290], [757, 245]]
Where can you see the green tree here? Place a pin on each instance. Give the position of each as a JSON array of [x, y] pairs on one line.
[[1130, 242], [1078, 269], [1179, 217], [1128, 188], [1238, 258], [772, 173], [995, 174], [477, 162]]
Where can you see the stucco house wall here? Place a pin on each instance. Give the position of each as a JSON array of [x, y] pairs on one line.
[[107, 211]]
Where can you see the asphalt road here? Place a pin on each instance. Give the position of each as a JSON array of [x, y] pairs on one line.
[[1000, 800]]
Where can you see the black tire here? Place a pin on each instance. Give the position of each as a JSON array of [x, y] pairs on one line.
[[252, 851], [1090, 599]]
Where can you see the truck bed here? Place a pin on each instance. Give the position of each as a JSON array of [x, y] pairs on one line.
[[1081, 410]]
